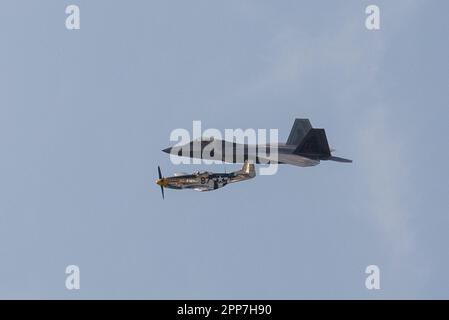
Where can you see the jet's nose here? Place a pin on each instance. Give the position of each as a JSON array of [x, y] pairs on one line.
[[167, 150]]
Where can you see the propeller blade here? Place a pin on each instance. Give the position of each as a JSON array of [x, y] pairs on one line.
[[160, 177]]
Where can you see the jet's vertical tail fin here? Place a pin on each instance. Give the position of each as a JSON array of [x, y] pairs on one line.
[[299, 130], [248, 169], [314, 144]]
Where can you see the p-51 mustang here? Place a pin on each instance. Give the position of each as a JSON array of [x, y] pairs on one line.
[[205, 181]]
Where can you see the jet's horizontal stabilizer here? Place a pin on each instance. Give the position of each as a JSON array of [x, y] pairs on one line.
[[299, 130], [338, 159]]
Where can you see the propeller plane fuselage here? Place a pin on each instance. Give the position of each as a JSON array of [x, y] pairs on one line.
[[206, 181]]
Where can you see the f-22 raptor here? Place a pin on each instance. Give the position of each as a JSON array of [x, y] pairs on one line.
[[205, 181], [306, 146]]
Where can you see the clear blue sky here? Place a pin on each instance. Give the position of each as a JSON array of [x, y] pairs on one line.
[[84, 115]]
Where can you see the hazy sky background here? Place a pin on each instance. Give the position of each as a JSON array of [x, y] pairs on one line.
[[84, 115]]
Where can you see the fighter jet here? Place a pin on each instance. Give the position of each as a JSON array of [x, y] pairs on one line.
[[205, 181], [306, 146]]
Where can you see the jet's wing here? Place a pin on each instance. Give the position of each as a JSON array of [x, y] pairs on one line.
[[292, 159], [296, 160]]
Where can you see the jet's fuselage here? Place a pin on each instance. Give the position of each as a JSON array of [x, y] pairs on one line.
[[232, 152]]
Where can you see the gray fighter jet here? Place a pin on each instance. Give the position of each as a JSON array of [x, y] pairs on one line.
[[306, 146], [205, 181]]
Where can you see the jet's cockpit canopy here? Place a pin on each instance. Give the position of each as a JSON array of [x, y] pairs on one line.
[[204, 139]]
